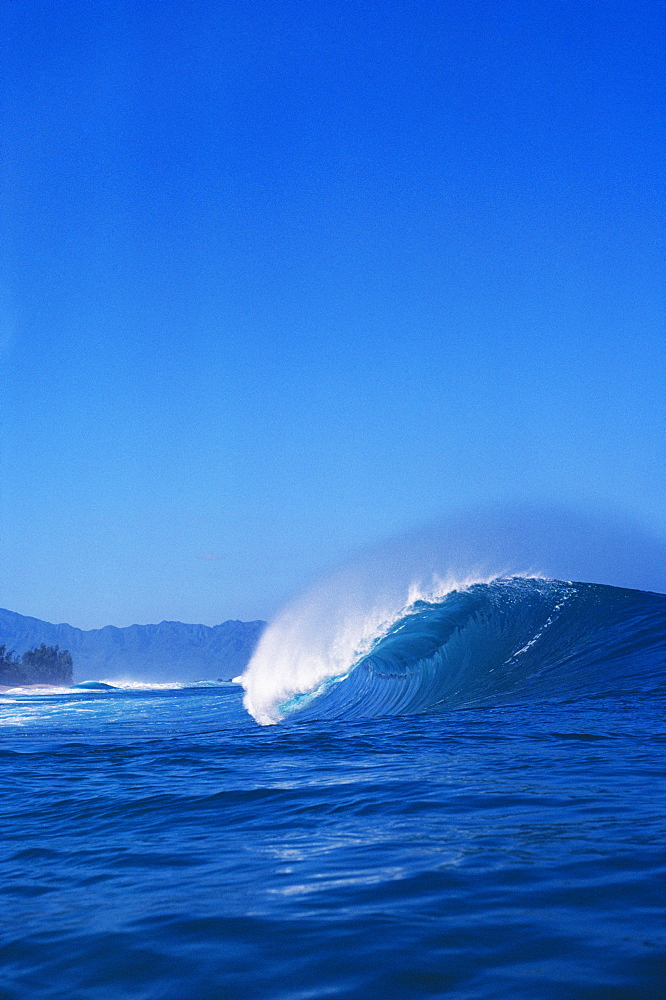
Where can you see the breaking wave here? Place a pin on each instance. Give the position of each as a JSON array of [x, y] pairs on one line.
[[477, 643]]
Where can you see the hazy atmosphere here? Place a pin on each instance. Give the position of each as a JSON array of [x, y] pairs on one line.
[[332, 522], [280, 280]]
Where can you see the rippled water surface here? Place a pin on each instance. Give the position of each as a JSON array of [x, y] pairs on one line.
[[160, 844]]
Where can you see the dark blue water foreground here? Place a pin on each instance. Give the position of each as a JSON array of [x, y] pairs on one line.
[[159, 844]]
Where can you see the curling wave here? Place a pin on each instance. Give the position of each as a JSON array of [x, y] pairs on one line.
[[481, 643]]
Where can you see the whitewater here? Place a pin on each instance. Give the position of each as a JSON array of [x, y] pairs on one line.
[[455, 789]]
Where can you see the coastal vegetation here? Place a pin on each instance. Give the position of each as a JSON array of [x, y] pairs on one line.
[[160, 652], [41, 665]]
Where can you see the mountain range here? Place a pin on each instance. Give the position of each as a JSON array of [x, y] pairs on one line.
[[170, 651]]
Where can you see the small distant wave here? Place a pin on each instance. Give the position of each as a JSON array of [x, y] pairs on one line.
[[132, 685], [93, 686], [482, 642], [115, 686], [138, 685], [127, 684]]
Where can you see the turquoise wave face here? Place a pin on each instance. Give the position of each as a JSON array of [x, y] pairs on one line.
[[500, 641]]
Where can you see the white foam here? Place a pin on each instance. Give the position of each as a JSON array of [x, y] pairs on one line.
[[127, 684], [35, 689]]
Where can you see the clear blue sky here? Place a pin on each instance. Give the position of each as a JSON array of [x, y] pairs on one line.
[[280, 278]]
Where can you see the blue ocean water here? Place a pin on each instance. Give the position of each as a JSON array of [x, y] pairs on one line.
[[473, 808]]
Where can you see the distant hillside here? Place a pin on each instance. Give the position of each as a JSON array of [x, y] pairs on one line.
[[164, 652]]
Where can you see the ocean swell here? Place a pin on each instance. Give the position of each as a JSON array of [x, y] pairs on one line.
[[480, 642]]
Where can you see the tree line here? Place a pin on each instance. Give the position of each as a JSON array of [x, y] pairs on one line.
[[41, 665]]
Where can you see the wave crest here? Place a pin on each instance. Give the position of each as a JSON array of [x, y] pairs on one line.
[[459, 645]]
